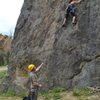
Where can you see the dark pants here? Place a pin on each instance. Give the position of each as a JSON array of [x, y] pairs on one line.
[[34, 94], [68, 12]]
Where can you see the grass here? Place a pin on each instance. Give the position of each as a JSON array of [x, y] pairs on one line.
[[2, 74], [82, 92], [53, 94], [8, 93]]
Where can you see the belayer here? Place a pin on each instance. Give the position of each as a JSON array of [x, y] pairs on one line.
[[34, 84], [71, 10]]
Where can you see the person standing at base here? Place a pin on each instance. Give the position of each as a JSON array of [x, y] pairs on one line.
[[34, 84]]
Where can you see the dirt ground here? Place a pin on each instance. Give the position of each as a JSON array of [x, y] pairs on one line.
[[10, 98], [3, 68]]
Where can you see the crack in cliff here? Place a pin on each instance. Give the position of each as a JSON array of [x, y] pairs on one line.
[[83, 63], [82, 66], [97, 57]]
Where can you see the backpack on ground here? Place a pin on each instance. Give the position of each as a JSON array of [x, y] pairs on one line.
[[26, 98]]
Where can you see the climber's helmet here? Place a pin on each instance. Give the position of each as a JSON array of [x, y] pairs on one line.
[[31, 67]]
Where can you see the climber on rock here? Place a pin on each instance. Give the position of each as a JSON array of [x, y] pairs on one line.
[[71, 9]]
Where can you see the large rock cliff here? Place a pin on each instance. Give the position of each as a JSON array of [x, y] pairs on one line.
[[71, 54]]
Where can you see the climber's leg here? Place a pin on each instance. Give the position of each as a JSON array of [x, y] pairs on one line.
[[74, 17], [74, 20], [64, 22], [65, 19]]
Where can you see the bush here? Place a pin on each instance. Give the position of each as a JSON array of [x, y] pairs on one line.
[[54, 94], [2, 74], [58, 89], [82, 92], [8, 93], [4, 58]]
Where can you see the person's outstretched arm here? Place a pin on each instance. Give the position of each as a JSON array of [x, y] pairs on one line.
[[77, 1], [37, 69]]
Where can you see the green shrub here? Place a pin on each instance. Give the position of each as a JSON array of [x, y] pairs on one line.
[[2, 74], [53, 94], [82, 92], [8, 93], [56, 96], [58, 89]]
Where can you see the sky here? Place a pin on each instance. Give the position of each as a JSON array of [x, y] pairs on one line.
[[9, 13]]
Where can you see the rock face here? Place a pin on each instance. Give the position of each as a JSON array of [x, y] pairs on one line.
[[71, 54]]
